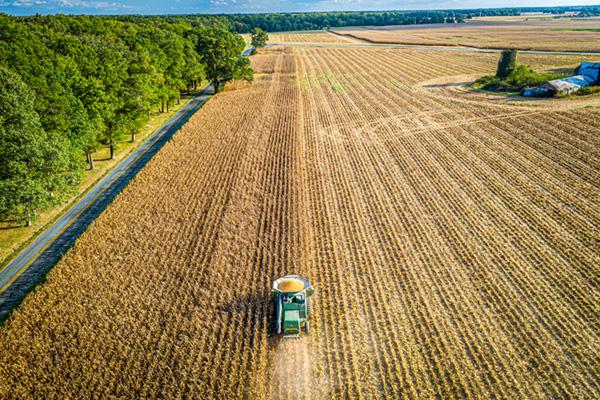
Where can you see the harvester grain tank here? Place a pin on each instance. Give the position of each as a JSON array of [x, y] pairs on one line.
[[292, 305]]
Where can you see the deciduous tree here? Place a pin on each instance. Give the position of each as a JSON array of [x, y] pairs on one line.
[[34, 164], [221, 52], [259, 38]]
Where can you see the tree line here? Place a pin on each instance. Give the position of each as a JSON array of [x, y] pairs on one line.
[[244, 23], [277, 22], [70, 85]]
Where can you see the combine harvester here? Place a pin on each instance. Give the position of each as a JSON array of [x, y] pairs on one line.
[[292, 305]]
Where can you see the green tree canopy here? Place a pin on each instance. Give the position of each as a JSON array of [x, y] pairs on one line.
[[221, 52], [86, 82], [507, 63], [33, 164], [259, 38]]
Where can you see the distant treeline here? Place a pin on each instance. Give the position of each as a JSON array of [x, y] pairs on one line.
[[70, 85], [244, 23], [580, 11]]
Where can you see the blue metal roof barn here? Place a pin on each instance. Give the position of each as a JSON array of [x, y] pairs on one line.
[[568, 85], [591, 70], [588, 74]]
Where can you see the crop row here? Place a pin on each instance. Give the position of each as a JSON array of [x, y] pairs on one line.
[[452, 241]]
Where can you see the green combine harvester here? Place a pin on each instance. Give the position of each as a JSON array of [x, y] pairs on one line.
[[292, 305]]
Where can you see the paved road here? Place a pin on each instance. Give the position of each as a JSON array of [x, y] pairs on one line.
[[31, 265], [434, 48], [24, 271]]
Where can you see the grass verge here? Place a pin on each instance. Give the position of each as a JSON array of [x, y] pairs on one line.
[[520, 78], [14, 238]]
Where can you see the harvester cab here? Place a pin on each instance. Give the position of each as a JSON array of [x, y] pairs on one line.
[[292, 305]]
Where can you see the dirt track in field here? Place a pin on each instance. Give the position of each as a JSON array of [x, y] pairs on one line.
[[452, 241]]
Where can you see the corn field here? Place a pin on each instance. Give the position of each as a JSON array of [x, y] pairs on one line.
[[309, 37], [554, 34], [452, 240]]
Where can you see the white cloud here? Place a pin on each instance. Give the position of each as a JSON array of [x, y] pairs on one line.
[[100, 5], [23, 3], [91, 4]]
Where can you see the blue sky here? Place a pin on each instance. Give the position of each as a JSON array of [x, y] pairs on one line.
[[26, 7]]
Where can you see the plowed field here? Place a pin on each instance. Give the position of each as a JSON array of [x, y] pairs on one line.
[[452, 240], [308, 37], [572, 34]]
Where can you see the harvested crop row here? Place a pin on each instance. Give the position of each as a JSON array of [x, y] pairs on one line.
[[451, 241], [557, 34], [307, 37], [459, 233]]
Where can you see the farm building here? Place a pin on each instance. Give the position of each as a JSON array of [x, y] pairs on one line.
[[588, 74], [591, 70], [567, 85]]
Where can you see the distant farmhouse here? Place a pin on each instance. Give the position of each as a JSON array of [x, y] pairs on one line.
[[588, 74]]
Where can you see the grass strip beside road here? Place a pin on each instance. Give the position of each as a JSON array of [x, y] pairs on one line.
[[13, 239]]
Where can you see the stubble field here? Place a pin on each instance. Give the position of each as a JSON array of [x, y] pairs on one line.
[[309, 37], [452, 240], [571, 34]]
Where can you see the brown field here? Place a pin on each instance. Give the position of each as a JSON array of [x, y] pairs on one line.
[[452, 239], [309, 37], [521, 17], [535, 33]]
